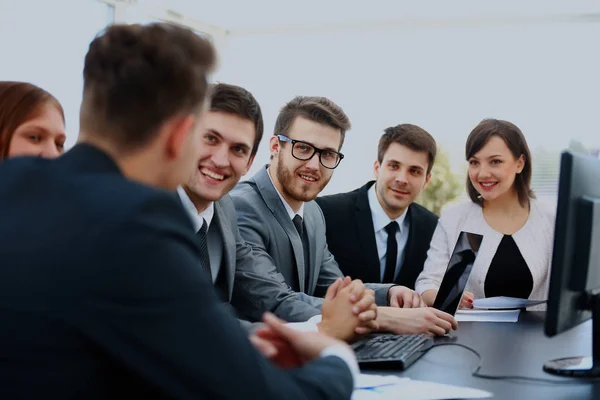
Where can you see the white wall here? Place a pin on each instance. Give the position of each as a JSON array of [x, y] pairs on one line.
[[543, 76], [44, 42], [444, 71]]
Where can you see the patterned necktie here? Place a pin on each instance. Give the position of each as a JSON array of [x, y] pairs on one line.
[[391, 257], [203, 239]]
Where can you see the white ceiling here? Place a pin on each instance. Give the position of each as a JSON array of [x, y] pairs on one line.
[[270, 16]]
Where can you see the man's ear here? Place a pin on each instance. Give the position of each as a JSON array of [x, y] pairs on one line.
[[274, 146], [249, 165], [177, 131], [376, 167], [427, 178]]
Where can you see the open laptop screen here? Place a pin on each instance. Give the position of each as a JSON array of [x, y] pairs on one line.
[[458, 272]]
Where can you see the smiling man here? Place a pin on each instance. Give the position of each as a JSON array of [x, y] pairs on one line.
[[376, 232], [113, 302], [279, 219], [233, 128]]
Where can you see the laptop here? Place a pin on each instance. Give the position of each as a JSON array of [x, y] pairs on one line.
[[458, 272], [400, 351]]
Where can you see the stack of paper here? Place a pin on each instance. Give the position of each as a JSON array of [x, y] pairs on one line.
[[392, 387], [487, 315], [504, 303]]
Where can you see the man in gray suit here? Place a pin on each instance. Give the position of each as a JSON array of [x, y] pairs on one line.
[[279, 219], [232, 130]]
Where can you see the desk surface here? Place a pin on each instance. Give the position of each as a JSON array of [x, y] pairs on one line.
[[508, 349]]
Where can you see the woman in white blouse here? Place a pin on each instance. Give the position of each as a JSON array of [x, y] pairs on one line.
[[515, 255]]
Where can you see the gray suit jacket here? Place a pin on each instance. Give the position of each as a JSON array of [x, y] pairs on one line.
[[253, 286], [265, 225], [233, 249]]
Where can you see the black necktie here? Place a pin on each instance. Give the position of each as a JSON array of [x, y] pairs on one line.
[[392, 252], [297, 220], [204, 259]]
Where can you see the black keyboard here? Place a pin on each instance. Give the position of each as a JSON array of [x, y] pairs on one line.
[[391, 351]]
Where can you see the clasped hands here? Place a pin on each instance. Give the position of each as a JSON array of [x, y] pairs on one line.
[[348, 311]]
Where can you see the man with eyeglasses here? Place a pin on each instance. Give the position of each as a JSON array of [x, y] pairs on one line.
[[232, 131], [277, 216]]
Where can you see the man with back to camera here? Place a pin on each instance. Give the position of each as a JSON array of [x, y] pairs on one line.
[[277, 217], [233, 128], [359, 222], [102, 293]]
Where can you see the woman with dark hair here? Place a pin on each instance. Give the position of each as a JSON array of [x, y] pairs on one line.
[[32, 122], [515, 255]]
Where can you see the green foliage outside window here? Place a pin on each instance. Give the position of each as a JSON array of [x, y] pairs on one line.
[[444, 186]]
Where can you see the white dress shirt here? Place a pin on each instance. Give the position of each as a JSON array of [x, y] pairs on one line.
[[197, 218], [380, 221]]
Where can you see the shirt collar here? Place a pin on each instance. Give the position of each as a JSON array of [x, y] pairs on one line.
[[197, 218], [380, 218], [288, 208]]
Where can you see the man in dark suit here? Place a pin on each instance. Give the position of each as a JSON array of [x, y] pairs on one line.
[[101, 291], [279, 219], [359, 222], [233, 128]]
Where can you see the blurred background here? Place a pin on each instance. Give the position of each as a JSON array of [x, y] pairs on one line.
[[442, 65]]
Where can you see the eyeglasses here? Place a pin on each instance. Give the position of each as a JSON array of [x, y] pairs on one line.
[[305, 151]]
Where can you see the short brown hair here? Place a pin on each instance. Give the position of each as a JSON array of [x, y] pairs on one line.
[[317, 109], [515, 141], [236, 100], [138, 76], [19, 103], [411, 136]]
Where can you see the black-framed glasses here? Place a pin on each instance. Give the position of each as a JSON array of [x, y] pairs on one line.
[[305, 151]]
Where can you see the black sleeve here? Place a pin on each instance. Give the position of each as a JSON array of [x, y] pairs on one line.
[[155, 311]]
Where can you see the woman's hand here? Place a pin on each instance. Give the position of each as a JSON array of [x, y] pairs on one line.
[[467, 300]]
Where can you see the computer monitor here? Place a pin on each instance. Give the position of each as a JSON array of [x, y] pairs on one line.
[[575, 275]]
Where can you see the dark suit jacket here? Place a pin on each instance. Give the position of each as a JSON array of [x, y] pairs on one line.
[[351, 236], [101, 296]]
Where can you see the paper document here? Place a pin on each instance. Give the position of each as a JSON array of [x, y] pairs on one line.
[[392, 387], [501, 302], [487, 315]]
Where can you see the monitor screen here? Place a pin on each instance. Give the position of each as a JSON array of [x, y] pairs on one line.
[[458, 271], [574, 292], [576, 252]]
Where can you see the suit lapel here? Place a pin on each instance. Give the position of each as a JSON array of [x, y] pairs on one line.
[[366, 234], [273, 201], [229, 248]]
